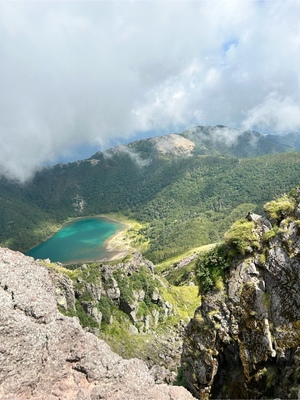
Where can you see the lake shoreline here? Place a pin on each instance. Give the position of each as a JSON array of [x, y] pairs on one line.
[[112, 245], [115, 247]]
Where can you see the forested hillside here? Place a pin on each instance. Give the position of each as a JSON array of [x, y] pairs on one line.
[[181, 201]]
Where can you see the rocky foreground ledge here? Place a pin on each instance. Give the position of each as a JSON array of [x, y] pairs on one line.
[[45, 355]]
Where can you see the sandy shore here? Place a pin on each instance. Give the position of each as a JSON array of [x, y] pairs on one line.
[[119, 244]]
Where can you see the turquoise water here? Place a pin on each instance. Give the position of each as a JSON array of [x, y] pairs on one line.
[[80, 240]]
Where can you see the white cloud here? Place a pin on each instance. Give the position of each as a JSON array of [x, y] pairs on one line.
[[94, 72], [274, 113]]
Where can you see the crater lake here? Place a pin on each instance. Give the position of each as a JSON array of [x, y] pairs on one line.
[[82, 239]]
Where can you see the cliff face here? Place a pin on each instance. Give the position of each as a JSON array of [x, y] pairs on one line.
[[244, 339], [135, 311], [44, 354]]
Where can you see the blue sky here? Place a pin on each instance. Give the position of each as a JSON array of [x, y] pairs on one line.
[[77, 77]]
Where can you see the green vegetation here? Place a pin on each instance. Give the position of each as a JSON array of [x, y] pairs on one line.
[[85, 319], [118, 334], [180, 381], [143, 335], [105, 307], [180, 275], [142, 280], [210, 268], [269, 234], [280, 208], [241, 237], [184, 300], [177, 203]]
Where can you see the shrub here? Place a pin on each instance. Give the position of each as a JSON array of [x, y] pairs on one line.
[[142, 279], [104, 306], [269, 234], [210, 268], [85, 319], [280, 208], [241, 237]]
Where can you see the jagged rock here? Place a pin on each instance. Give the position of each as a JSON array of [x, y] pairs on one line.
[[162, 375], [244, 339], [113, 291], [129, 307], [93, 311], [259, 220], [168, 308], [110, 288], [155, 317], [134, 302], [139, 295], [185, 261], [44, 355], [136, 262], [133, 330], [155, 296], [94, 289], [64, 290]]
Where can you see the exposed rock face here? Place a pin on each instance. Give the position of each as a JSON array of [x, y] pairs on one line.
[[64, 291], [244, 339], [44, 355], [174, 144], [95, 292]]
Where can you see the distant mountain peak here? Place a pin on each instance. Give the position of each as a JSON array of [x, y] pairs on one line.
[[174, 144], [206, 140]]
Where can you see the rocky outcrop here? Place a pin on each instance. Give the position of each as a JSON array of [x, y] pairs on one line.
[[64, 290], [173, 144], [45, 355], [244, 339], [125, 298]]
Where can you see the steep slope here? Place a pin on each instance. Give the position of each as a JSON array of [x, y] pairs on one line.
[[173, 184], [133, 309], [46, 355], [244, 339]]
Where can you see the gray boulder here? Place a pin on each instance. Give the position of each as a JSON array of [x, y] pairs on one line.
[[45, 355]]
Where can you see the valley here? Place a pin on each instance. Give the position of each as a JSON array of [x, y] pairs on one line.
[[178, 197], [181, 200]]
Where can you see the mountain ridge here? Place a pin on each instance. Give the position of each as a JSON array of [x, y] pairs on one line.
[[217, 140], [188, 192]]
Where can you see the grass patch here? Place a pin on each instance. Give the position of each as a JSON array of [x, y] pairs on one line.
[[169, 262], [241, 237], [119, 336], [184, 300], [280, 208], [270, 234], [181, 276], [85, 319], [72, 274]]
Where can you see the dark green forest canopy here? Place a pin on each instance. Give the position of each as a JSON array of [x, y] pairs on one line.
[[182, 202]]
